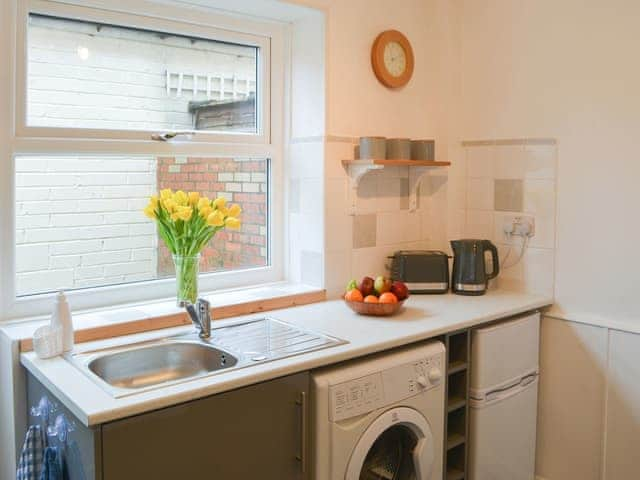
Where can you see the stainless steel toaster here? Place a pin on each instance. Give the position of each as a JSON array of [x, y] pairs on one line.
[[424, 271]]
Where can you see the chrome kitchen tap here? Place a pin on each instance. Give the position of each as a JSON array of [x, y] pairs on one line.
[[200, 314]]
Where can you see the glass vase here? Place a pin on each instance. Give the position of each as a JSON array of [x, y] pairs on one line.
[[187, 269]]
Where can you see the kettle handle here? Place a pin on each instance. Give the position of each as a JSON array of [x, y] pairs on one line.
[[495, 259]]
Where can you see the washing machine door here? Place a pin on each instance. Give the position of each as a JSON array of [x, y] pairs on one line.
[[398, 445]]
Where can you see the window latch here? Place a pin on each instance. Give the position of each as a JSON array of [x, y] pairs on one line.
[[166, 136]]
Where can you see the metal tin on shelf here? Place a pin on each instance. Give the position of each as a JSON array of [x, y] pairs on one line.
[[423, 150], [373, 148], [398, 149]]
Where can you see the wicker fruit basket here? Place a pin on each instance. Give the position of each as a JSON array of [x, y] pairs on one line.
[[375, 309]]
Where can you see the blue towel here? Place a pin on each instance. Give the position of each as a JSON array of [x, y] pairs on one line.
[[30, 464], [51, 466]]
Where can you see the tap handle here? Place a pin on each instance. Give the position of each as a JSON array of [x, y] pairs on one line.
[[204, 308]]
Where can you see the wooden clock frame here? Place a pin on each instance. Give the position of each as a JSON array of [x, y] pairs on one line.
[[377, 59]]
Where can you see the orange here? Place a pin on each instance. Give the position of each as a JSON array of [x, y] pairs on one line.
[[353, 295], [370, 299], [388, 297]]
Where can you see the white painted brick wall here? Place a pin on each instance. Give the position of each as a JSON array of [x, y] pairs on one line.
[[123, 82], [72, 235]]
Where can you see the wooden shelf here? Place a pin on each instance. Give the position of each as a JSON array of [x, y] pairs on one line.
[[454, 439], [455, 403], [397, 163], [455, 474], [417, 170], [457, 366]]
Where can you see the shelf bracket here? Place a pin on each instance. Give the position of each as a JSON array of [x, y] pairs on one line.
[[416, 174], [356, 172]]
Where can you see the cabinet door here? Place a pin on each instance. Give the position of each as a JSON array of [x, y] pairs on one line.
[[254, 432]]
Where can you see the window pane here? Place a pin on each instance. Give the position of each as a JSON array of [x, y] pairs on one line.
[[80, 224], [91, 75]]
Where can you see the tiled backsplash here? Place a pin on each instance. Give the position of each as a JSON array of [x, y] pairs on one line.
[[514, 178], [337, 233]]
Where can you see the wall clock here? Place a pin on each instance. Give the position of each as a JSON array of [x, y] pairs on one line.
[[392, 59]]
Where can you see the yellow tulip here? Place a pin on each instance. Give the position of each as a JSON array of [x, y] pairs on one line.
[[232, 223], [150, 211], [206, 211], [181, 198], [224, 211], [182, 213], [204, 202], [235, 210], [169, 204], [220, 202], [194, 198], [154, 201], [216, 219], [166, 193]]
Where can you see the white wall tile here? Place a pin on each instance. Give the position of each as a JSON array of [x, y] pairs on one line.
[[540, 161], [509, 161], [338, 232], [367, 194], [392, 228], [312, 196], [335, 152], [306, 160], [539, 197], [538, 265], [480, 161], [479, 224], [480, 193], [337, 272], [368, 261]]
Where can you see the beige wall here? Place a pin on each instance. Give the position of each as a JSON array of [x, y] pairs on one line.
[[567, 70]]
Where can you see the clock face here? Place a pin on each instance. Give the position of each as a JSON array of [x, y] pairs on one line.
[[392, 59], [395, 59]]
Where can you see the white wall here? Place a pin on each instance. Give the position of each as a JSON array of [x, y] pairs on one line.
[[567, 70]]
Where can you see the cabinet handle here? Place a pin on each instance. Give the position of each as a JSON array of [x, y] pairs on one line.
[[302, 457]]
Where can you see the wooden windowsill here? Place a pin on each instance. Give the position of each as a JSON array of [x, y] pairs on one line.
[[111, 323]]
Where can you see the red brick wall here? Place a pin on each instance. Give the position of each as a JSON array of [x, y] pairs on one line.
[[239, 180]]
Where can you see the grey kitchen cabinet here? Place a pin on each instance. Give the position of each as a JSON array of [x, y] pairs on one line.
[[253, 432]]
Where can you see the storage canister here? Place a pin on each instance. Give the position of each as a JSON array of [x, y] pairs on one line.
[[398, 149], [423, 150], [373, 148]]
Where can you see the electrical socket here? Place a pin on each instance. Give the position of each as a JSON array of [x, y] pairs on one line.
[[519, 226]]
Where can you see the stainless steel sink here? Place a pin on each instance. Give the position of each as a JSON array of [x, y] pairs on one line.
[[155, 364], [138, 367]]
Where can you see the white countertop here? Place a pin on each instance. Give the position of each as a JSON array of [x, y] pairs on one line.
[[423, 317]]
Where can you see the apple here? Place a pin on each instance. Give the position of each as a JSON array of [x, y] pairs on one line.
[[382, 284], [400, 290], [352, 285], [366, 286]]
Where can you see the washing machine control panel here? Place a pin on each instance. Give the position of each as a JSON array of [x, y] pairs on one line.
[[362, 395]]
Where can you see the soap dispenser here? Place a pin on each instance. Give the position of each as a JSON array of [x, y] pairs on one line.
[[61, 318]]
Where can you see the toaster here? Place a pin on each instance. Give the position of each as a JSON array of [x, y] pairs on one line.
[[423, 271]]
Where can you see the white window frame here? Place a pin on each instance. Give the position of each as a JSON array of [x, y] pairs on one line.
[[23, 140]]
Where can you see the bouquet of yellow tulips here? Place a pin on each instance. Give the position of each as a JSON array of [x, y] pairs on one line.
[[186, 223]]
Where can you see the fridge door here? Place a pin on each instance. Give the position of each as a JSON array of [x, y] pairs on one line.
[[502, 434], [504, 352]]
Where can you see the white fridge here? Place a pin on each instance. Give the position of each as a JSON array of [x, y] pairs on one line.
[[504, 400]]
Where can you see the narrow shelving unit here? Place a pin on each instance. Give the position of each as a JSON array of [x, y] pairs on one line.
[[417, 169], [458, 346]]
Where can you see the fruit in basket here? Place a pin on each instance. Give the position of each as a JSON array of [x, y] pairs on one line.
[[370, 299], [351, 285], [382, 284], [400, 290], [388, 297], [353, 295], [366, 286]]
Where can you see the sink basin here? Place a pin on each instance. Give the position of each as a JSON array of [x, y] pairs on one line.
[[161, 363], [138, 367]]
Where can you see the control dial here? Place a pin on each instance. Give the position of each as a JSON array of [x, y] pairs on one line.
[[422, 381], [435, 374]]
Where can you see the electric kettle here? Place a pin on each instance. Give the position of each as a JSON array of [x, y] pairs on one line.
[[470, 275]]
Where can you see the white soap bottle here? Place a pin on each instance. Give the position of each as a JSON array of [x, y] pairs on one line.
[[61, 318]]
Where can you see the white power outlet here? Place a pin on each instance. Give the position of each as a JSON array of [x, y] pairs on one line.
[[519, 226]]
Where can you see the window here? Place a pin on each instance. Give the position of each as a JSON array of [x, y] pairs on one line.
[[93, 89], [93, 75]]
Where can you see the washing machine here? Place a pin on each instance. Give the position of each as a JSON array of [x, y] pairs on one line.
[[381, 417]]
